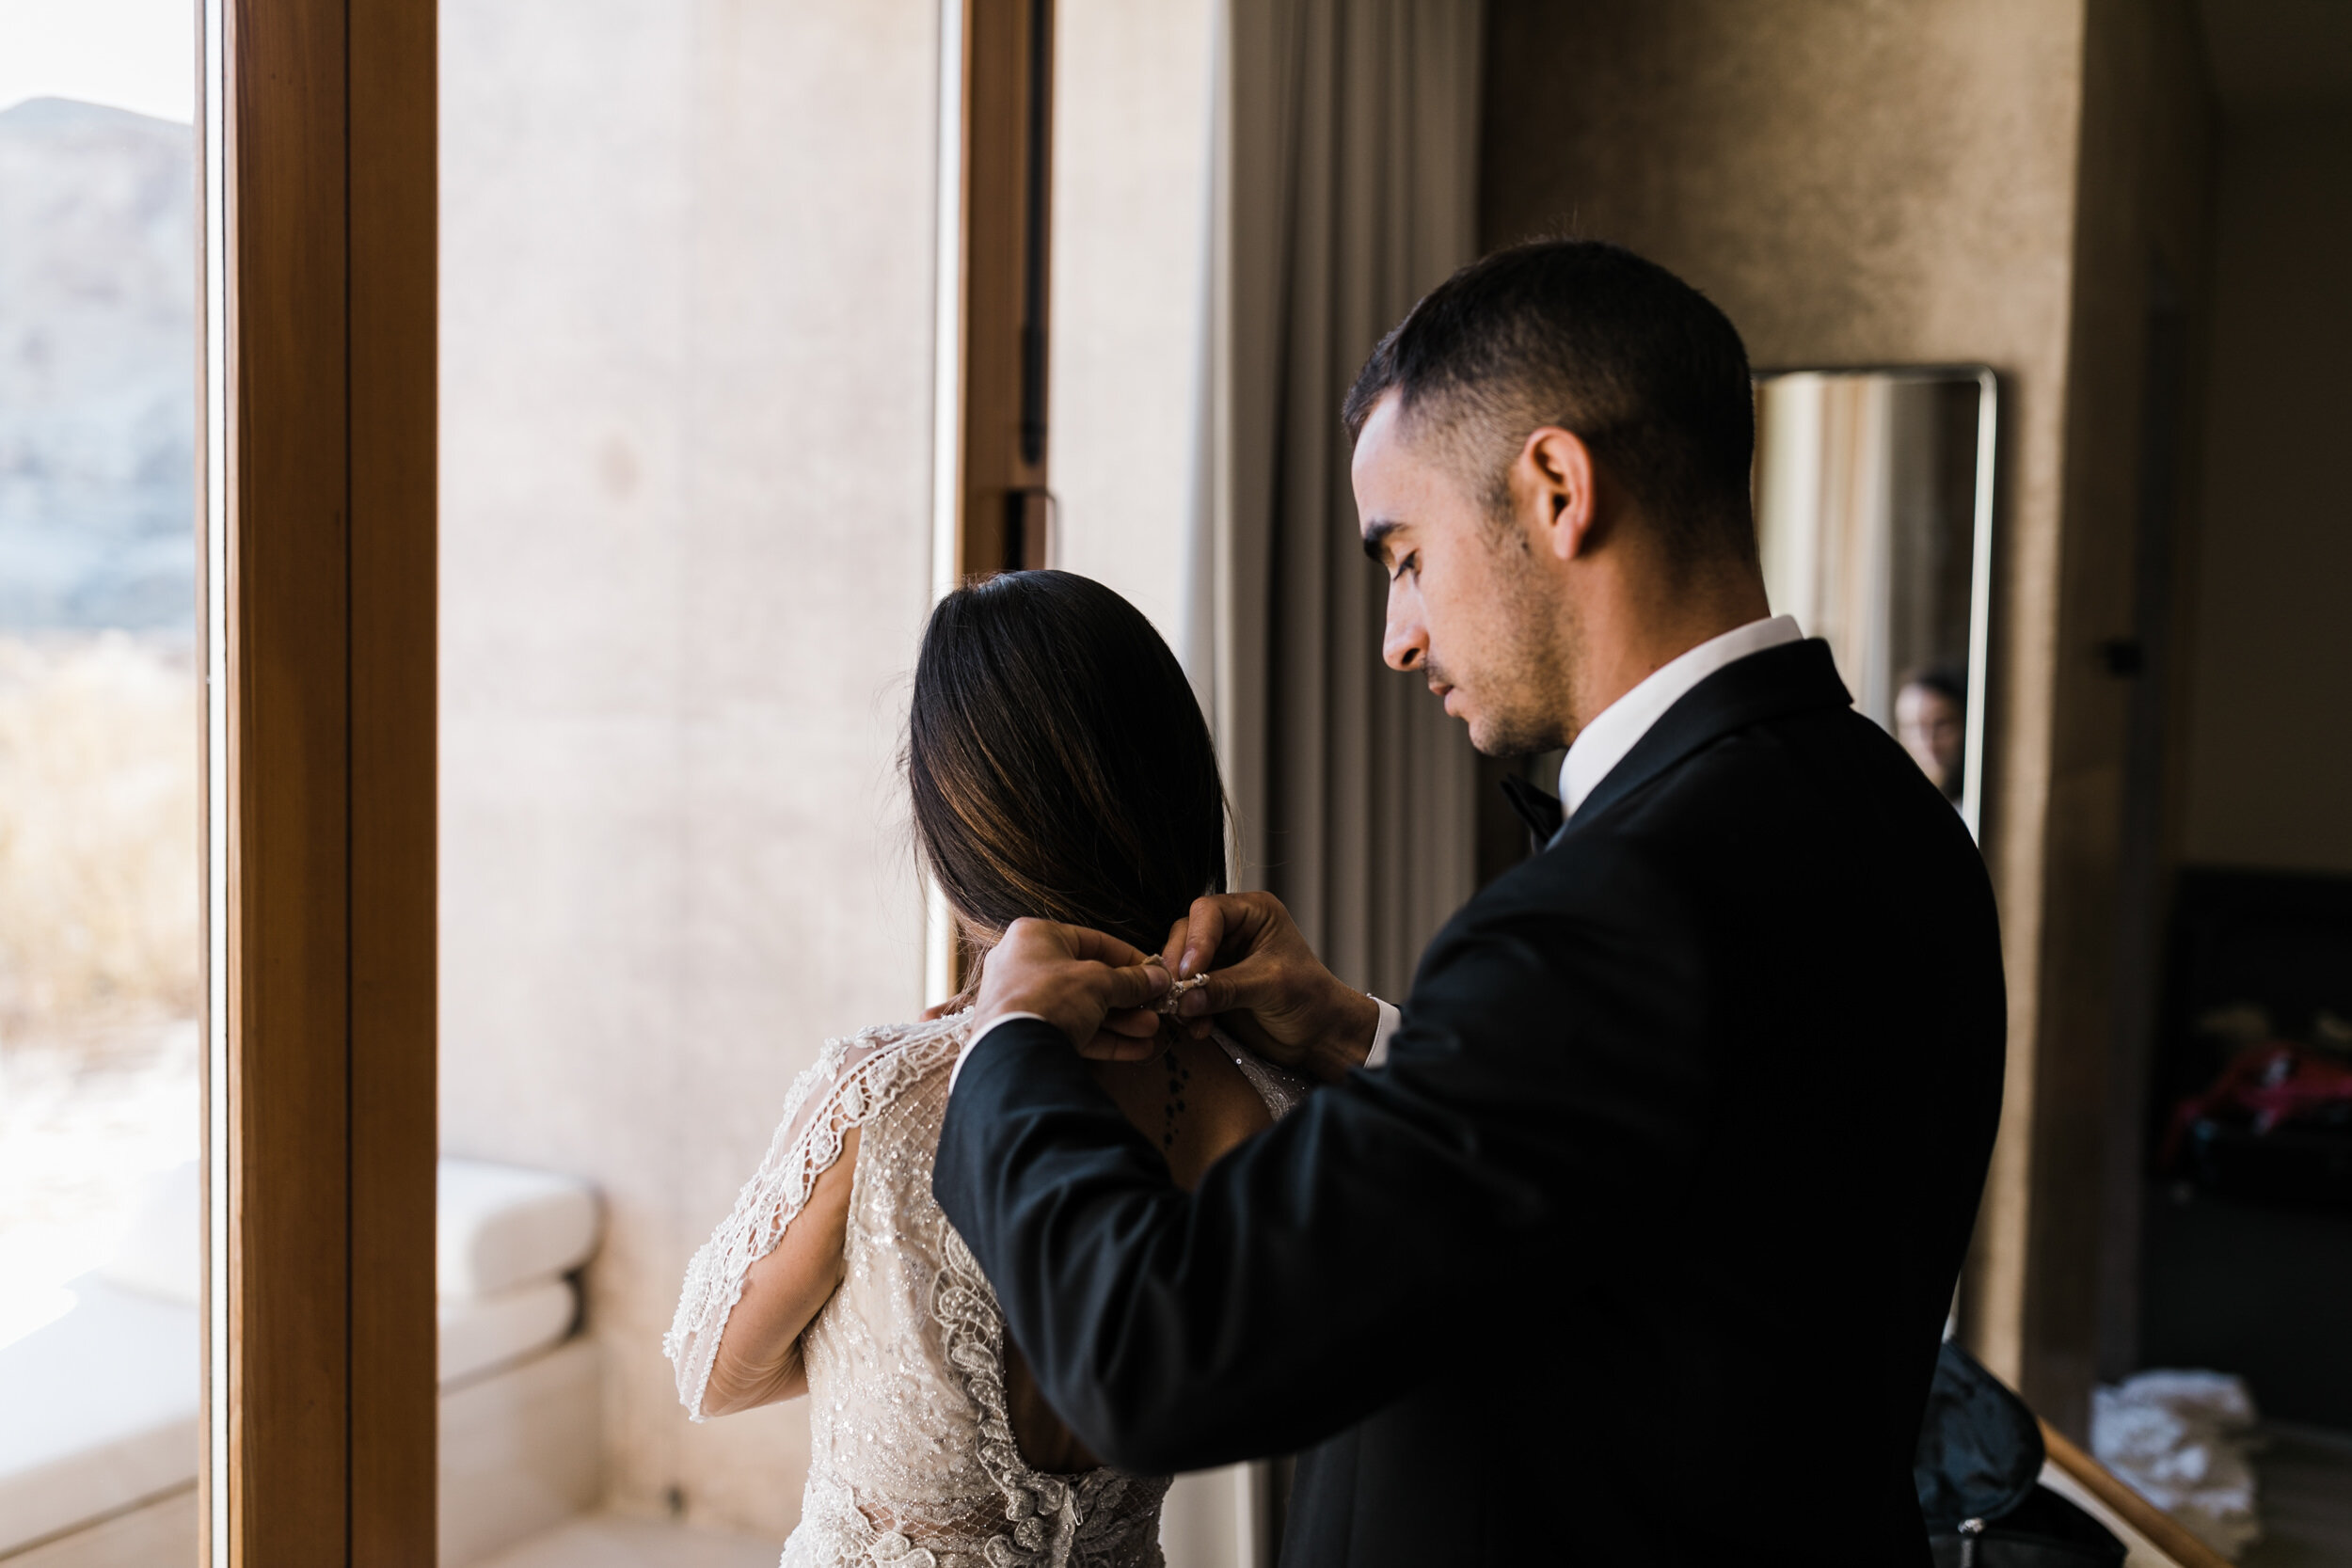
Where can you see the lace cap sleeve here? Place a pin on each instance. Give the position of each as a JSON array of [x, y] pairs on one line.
[[851, 1081]]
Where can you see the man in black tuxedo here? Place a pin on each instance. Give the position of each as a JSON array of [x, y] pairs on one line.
[[1633, 1242]]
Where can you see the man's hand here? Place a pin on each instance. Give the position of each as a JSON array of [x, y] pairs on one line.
[[1272, 990], [1095, 989]]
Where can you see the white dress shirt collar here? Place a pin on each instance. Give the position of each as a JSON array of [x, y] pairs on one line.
[[1602, 744]]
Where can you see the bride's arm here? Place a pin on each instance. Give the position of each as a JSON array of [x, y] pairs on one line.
[[758, 1358], [772, 1263]]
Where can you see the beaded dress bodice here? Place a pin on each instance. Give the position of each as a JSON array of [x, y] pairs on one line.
[[912, 1461]]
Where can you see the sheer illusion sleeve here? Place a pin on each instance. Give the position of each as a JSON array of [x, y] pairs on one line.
[[851, 1081]]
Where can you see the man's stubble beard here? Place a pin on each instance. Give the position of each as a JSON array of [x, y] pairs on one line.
[[1528, 706]]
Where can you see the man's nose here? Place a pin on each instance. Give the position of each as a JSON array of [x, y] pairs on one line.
[[1404, 642]]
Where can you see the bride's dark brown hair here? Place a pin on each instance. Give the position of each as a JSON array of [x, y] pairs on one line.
[[1059, 763]]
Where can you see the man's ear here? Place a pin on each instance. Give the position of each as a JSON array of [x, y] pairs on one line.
[[1553, 488]]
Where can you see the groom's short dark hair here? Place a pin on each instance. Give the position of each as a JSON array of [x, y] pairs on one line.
[[1598, 341]]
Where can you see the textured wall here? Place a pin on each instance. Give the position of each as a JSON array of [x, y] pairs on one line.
[[1852, 181], [2271, 742], [687, 390], [1857, 182]]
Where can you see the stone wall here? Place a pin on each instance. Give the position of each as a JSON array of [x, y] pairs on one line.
[[687, 305]]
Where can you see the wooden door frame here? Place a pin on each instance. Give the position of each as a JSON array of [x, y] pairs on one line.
[[1003, 105], [317, 146]]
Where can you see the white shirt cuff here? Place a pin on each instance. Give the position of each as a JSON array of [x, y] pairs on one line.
[[1390, 1018], [979, 1035]]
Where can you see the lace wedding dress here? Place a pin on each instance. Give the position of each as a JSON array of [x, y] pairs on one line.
[[912, 1461]]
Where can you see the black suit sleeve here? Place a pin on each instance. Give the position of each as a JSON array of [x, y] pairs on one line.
[[1300, 1286]]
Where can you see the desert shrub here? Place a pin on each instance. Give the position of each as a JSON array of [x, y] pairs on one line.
[[100, 881]]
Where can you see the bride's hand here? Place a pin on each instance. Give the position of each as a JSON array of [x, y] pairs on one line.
[[1095, 989], [1272, 991]]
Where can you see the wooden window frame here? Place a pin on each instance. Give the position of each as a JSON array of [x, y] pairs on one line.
[[1001, 331], [317, 145], [992, 508]]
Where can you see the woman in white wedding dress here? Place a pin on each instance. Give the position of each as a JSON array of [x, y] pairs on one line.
[[1059, 767]]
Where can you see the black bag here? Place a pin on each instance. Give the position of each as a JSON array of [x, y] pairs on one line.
[[1977, 1469]]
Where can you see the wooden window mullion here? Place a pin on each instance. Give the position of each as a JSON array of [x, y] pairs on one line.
[[329, 516]]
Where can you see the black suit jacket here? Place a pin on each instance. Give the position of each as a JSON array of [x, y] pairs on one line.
[[1638, 1249]]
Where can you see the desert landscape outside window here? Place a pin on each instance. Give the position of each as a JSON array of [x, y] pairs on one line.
[[99, 871]]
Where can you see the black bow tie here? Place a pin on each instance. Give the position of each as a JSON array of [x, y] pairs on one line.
[[1540, 812]]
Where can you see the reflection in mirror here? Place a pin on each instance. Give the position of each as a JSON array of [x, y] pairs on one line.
[[1874, 512]]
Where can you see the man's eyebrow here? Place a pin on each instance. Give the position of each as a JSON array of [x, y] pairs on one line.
[[1377, 534]]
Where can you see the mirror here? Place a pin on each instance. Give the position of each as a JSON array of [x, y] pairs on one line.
[[1874, 514]]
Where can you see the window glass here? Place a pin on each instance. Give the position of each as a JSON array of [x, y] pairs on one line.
[[99, 875]]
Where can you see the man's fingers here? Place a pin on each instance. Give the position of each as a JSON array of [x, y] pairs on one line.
[[1109, 1045], [1133, 983], [1172, 952], [1203, 934], [1230, 926], [1211, 920], [1080, 980], [1221, 990], [1083, 942], [1257, 981], [1137, 1023], [1129, 978]]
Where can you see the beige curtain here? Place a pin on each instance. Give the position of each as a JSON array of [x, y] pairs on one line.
[[1346, 175]]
